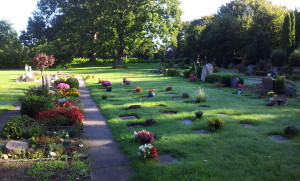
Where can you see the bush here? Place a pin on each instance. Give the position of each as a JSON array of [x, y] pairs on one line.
[[215, 123], [294, 59], [14, 128], [171, 72], [216, 69], [32, 105], [187, 73], [37, 91], [36, 131], [291, 131], [58, 81], [211, 78], [73, 82], [280, 85], [278, 57]]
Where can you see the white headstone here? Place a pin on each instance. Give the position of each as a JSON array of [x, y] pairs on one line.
[[207, 69]]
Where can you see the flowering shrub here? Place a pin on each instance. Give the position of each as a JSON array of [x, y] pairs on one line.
[[58, 81], [144, 137], [193, 78], [240, 86], [63, 86], [72, 93], [106, 83], [65, 104], [138, 89], [147, 151], [74, 115]]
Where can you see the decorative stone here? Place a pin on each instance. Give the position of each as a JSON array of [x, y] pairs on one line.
[[128, 117], [268, 84], [279, 138], [234, 82], [248, 126], [4, 156], [207, 69], [15, 146], [203, 131], [187, 121], [167, 159], [52, 154]]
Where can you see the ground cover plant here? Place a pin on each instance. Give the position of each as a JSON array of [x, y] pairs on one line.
[[231, 153]]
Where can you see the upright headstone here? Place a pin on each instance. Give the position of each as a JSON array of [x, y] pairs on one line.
[[250, 68], [207, 69], [275, 70], [268, 84], [26, 68], [29, 69], [234, 82]]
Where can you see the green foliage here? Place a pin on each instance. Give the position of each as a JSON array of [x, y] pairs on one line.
[[200, 95], [38, 91], [280, 85], [287, 38], [199, 114], [279, 57], [73, 82], [294, 58], [291, 131], [187, 73], [32, 105], [36, 131], [216, 69], [211, 78], [260, 48], [13, 128], [215, 123], [59, 120], [226, 80], [172, 72]]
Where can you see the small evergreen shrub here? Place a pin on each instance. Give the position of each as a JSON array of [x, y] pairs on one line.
[[37, 91], [294, 59], [32, 105], [36, 131], [211, 78], [13, 128], [73, 82], [280, 85], [291, 131], [215, 123], [172, 72], [187, 73], [216, 69]]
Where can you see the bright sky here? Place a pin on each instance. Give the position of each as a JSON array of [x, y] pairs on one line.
[[18, 11]]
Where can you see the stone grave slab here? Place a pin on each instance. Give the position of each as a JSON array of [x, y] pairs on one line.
[[171, 94], [207, 69], [279, 138], [187, 121], [16, 146], [167, 159], [177, 98], [128, 117], [203, 131], [248, 126]]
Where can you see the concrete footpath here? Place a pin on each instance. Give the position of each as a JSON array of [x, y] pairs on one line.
[[107, 162], [15, 111]]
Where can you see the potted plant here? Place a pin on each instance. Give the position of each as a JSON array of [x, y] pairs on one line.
[[106, 83], [151, 93], [104, 97], [169, 88], [199, 114], [108, 88], [138, 89], [272, 96]]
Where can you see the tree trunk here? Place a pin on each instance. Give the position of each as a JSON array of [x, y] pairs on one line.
[[119, 59], [92, 57]]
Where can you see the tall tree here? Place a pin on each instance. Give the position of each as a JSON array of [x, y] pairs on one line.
[[297, 28], [286, 39], [260, 50]]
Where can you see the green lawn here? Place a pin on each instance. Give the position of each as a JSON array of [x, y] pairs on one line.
[[10, 90], [233, 153]]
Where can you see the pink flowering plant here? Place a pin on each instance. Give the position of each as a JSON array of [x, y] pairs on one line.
[[144, 137], [63, 86], [106, 83], [193, 78]]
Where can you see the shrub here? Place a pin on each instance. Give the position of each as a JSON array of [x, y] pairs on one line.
[[73, 115], [278, 57], [172, 72], [37, 91], [144, 137], [216, 69], [73, 82], [294, 59], [13, 128], [211, 78], [200, 95], [291, 131], [215, 123], [150, 122], [226, 80], [199, 114], [193, 78], [36, 131], [187, 73], [32, 105], [280, 85], [58, 81]]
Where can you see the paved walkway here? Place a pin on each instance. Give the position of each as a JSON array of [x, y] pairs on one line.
[[107, 162], [10, 113]]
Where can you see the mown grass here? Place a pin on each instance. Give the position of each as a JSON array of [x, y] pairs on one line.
[[232, 153], [10, 90]]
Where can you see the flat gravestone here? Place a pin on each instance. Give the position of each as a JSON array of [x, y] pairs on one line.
[[16, 146], [158, 107], [248, 126], [187, 121], [169, 112], [203, 131], [133, 126], [171, 94], [191, 102], [167, 159], [177, 98], [128, 117], [222, 115], [279, 138]]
